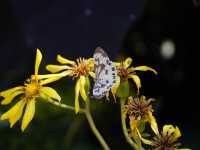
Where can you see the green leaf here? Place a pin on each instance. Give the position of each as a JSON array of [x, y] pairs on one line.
[[145, 135], [123, 90], [87, 85], [141, 126], [133, 89]]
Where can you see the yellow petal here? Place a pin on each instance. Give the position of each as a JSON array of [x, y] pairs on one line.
[[133, 123], [115, 87], [45, 97], [176, 134], [37, 62], [29, 114], [10, 97], [90, 62], [63, 60], [136, 79], [92, 74], [57, 68], [145, 141], [145, 68], [62, 74], [168, 129], [14, 114], [133, 134], [77, 89], [10, 91], [153, 123], [82, 88], [50, 92], [127, 62], [49, 80]]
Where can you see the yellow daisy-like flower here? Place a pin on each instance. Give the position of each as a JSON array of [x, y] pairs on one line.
[[79, 69], [126, 71], [139, 111], [167, 139], [33, 88]]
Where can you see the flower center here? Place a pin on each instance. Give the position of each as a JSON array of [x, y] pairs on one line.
[[81, 68], [163, 142], [32, 88], [138, 108], [122, 72]]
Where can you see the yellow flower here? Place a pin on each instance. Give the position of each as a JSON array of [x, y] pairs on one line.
[[27, 94], [79, 69], [140, 111], [126, 71], [167, 139]]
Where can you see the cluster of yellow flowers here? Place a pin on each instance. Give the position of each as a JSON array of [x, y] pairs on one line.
[[135, 108]]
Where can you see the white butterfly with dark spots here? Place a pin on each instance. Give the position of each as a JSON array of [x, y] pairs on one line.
[[105, 71]]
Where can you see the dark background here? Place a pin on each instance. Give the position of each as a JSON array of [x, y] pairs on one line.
[[135, 28]]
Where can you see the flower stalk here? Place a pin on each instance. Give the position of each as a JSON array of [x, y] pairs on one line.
[[93, 127], [124, 128], [89, 118], [64, 106]]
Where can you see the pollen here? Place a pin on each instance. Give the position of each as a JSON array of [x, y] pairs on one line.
[[80, 68], [32, 88]]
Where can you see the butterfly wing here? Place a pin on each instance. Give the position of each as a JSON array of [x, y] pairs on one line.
[[105, 73]]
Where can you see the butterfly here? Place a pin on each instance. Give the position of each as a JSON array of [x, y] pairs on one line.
[[105, 71]]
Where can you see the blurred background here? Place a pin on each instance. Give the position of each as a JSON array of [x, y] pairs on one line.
[[163, 34]]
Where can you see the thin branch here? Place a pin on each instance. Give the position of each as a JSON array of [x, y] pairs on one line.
[[123, 121], [94, 129], [64, 105]]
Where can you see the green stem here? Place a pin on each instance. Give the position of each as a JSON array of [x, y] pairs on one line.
[[123, 119], [94, 129], [88, 115], [64, 105]]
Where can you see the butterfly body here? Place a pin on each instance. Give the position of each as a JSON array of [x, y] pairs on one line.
[[105, 73]]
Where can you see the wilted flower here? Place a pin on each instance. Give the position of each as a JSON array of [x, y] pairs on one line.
[[139, 111], [126, 71], [166, 140], [80, 69], [32, 89]]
